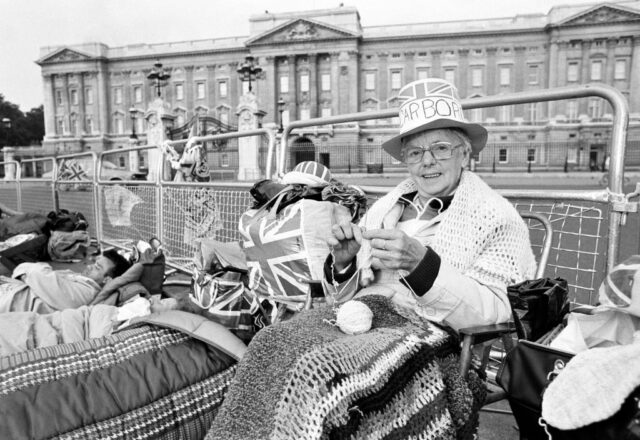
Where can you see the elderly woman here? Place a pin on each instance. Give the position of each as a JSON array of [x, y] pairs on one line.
[[442, 243]]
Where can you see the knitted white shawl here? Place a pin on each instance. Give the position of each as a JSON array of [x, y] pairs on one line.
[[481, 234]]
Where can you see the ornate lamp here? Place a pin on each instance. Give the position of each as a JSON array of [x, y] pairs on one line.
[[281, 106], [159, 76], [248, 70]]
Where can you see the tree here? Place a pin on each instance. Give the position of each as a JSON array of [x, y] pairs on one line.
[[25, 129]]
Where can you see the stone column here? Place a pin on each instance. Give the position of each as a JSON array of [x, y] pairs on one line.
[[335, 83], [102, 96], [585, 77], [49, 105], [491, 78], [249, 118], [463, 78], [81, 105], [67, 105], [554, 80], [313, 85], [634, 77], [293, 88], [354, 72], [382, 91], [267, 94], [518, 75], [127, 100], [234, 86], [212, 86], [435, 64], [410, 67], [189, 85], [611, 61]]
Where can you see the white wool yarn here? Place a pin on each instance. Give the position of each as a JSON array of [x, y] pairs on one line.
[[354, 317]]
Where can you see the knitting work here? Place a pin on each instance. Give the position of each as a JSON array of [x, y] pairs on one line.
[[305, 379], [481, 234]]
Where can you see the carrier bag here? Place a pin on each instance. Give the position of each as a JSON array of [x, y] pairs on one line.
[[68, 246], [538, 306], [286, 249]]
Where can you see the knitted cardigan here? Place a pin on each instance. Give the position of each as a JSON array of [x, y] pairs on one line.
[[481, 233]]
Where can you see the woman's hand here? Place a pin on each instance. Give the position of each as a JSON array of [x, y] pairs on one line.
[[393, 249], [345, 243]]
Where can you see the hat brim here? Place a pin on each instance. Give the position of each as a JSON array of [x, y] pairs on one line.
[[477, 134]]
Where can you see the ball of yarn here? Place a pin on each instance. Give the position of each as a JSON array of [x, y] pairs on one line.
[[354, 317]]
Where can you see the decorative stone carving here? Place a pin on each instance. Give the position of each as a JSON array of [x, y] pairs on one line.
[[604, 14], [302, 30], [67, 55]]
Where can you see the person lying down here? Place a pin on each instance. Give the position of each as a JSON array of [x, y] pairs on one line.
[[22, 331]]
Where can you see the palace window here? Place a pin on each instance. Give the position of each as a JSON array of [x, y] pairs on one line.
[[139, 124], [476, 115], [118, 122], [59, 125], [422, 73], [572, 110], [305, 114], [531, 155], [304, 82], [370, 81], [117, 95], [572, 71], [532, 111], [59, 97], [285, 117], [620, 71], [596, 70], [505, 75], [533, 75], [396, 79], [245, 87], [325, 81], [179, 92], [121, 162], [505, 113], [73, 119], [89, 123], [74, 96], [476, 76], [326, 112], [450, 74], [222, 89], [200, 90], [224, 117], [502, 155], [595, 108], [88, 95], [224, 160], [284, 84]]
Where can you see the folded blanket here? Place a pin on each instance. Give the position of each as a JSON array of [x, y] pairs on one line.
[[304, 378]]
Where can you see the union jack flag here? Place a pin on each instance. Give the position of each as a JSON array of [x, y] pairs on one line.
[[71, 170], [431, 87], [275, 250]]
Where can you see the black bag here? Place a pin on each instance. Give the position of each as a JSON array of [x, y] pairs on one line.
[[65, 221], [524, 375], [538, 306]]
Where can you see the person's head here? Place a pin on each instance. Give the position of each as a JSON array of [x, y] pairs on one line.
[[106, 266], [435, 160], [430, 109]]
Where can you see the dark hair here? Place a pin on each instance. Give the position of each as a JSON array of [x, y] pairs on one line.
[[121, 264]]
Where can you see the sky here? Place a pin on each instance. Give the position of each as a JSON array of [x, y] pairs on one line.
[[28, 25]]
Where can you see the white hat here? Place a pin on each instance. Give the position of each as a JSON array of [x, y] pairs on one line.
[[429, 104], [308, 173]]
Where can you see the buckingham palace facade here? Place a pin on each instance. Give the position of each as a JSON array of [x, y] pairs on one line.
[[324, 62]]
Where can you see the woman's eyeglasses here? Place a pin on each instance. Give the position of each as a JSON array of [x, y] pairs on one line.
[[439, 151]]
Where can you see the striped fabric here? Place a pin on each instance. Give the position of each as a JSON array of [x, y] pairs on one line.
[[314, 169], [143, 383]]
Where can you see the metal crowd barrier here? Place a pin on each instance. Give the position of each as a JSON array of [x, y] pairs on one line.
[[586, 223]]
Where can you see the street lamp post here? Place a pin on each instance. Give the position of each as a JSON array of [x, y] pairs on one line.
[[6, 126], [133, 113], [249, 70], [159, 77], [281, 106]]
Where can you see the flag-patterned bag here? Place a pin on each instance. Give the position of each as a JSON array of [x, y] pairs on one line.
[[286, 250]]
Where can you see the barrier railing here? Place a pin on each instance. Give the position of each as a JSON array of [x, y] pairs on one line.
[[586, 223]]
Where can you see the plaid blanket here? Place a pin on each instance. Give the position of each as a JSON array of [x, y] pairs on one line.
[[304, 378], [147, 382]]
